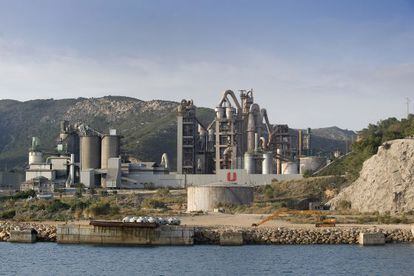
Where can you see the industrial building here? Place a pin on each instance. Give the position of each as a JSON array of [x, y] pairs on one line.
[[239, 146], [85, 155], [240, 138]]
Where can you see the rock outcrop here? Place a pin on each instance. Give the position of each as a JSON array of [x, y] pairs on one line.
[[386, 181]]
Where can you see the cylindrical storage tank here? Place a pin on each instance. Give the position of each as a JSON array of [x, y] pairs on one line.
[[110, 149], [267, 163], [35, 157], [278, 162], [219, 112], [229, 112], [209, 197], [311, 164], [256, 142], [249, 163], [289, 168], [90, 151]]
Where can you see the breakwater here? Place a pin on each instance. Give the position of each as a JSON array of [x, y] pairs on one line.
[[45, 232], [293, 236], [250, 235]]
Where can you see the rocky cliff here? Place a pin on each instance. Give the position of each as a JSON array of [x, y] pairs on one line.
[[386, 181]]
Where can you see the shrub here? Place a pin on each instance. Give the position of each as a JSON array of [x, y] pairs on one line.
[[78, 204], [23, 195], [79, 190], [163, 192], [344, 205], [57, 205], [152, 203], [9, 214], [268, 192], [100, 208]]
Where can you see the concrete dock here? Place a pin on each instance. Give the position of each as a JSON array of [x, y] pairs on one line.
[[119, 234]]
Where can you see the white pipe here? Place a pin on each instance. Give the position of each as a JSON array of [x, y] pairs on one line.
[[256, 142]]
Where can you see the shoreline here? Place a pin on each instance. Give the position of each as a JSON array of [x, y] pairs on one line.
[[211, 235]]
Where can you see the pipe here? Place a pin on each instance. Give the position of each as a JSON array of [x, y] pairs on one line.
[[256, 142], [262, 143], [233, 96], [70, 181], [268, 126], [211, 124]]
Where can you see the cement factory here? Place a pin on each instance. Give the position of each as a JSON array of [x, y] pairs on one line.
[[239, 148]]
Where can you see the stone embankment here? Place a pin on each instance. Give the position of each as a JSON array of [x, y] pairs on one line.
[[261, 235], [45, 233], [300, 236]]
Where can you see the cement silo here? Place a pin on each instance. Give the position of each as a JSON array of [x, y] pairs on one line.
[[110, 149], [90, 151]]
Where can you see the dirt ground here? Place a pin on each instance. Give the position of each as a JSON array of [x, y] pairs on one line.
[[246, 220]]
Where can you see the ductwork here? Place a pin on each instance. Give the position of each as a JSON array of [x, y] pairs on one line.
[[262, 143], [226, 99], [268, 126], [252, 126], [164, 161]]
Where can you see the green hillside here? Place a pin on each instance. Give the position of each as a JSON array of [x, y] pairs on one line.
[[369, 139]]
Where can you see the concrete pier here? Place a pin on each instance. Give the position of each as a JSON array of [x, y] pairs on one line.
[[118, 235], [371, 239], [23, 236]]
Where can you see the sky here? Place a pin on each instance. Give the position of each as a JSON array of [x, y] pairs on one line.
[[311, 63]]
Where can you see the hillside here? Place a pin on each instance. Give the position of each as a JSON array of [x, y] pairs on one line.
[[385, 183], [367, 144], [148, 127], [330, 139]]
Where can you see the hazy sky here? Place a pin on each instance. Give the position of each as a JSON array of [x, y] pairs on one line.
[[311, 63]]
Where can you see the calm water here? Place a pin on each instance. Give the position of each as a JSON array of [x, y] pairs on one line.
[[53, 259]]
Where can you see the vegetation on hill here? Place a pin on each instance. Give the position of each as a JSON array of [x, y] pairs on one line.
[[148, 128], [92, 206], [369, 139], [330, 139]]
